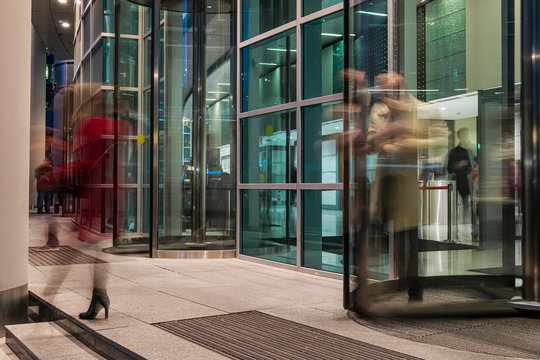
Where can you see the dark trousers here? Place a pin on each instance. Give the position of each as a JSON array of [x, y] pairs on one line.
[[407, 252], [43, 200]]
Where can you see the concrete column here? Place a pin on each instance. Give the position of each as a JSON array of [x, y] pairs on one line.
[[16, 27]]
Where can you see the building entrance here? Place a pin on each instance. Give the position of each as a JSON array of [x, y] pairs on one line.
[[435, 215]]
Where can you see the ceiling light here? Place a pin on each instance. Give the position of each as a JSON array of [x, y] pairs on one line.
[[280, 49], [62, 1], [269, 64], [65, 24], [330, 34], [224, 84], [371, 13]]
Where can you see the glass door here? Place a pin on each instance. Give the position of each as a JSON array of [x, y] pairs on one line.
[[435, 183]]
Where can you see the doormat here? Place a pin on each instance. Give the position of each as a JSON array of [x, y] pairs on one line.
[[59, 255], [256, 335]]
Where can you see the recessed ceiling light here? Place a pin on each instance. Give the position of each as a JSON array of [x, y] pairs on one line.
[[331, 34], [65, 24], [62, 1]]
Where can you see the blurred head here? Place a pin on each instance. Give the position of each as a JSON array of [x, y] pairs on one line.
[[391, 81], [463, 134]]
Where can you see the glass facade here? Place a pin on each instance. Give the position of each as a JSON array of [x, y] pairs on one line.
[[268, 147], [322, 54], [270, 232], [381, 140], [291, 128], [269, 72], [261, 16]]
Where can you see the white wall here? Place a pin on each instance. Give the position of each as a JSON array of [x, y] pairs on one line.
[[15, 68], [37, 111]]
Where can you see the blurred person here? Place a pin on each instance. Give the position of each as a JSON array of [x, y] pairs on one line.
[[460, 164], [392, 134], [44, 183], [400, 126]]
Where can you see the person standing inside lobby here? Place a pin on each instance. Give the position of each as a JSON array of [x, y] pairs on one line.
[[44, 182]]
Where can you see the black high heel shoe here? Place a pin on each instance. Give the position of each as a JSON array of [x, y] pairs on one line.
[[100, 300]]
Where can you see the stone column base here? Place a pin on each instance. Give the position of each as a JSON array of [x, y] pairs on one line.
[[13, 307]]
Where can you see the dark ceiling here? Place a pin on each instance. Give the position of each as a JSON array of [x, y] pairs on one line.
[[47, 17]]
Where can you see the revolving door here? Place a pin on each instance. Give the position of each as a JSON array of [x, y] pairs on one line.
[[435, 156]]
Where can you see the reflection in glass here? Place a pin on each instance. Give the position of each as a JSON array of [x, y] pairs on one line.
[[269, 148], [322, 51], [259, 16], [322, 234], [128, 62], [322, 126], [220, 131], [129, 19], [268, 72], [108, 61], [268, 224], [108, 16], [311, 6]]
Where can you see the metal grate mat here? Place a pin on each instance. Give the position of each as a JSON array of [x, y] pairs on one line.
[[255, 335], [59, 255]]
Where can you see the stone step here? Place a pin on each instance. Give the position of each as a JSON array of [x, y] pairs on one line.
[[46, 340], [5, 352], [71, 325]]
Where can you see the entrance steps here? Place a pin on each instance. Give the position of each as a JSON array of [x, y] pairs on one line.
[[46, 340], [57, 335]]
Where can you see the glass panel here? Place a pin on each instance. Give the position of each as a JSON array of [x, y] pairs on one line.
[[98, 16], [147, 70], [259, 16], [268, 227], [147, 20], [369, 35], [128, 64], [86, 33], [108, 61], [438, 153], [322, 235], [127, 209], [86, 79], [96, 209], [97, 66], [174, 180], [323, 56], [311, 6], [129, 19], [220, 129], [269, 148], [269, 72], [108, 16], [322, 132]]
